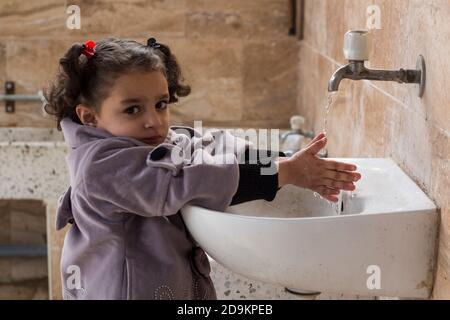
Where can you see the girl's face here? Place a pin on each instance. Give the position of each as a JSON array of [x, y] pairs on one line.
[[137, 107]]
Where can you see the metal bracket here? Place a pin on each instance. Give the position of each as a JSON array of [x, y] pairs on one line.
[[420, 65], [10, 97], [10, 105]]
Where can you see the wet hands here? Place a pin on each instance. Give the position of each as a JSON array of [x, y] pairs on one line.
[[326, 177]]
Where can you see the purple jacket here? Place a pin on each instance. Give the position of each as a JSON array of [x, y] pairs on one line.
[[127, 239]]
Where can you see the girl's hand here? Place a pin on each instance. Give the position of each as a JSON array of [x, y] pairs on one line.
[[326, 177]]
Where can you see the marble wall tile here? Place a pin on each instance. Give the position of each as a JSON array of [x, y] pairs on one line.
[[218, 93], [441, 288], [409, 29], [315, 24], [22, 222], [209, 38], [387, 119], [2, 63], [130, 18], [218, 98], [270, 79], [24, 290], [335, 28], [355, 16], [32, 19], [28, 222], [237, 19], [5, 222]]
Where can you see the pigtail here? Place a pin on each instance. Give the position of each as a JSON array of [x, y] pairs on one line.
[[63, 95], [70, 65], [174, 77]]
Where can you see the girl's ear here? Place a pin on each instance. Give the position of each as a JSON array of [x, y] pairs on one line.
[[86, 115]]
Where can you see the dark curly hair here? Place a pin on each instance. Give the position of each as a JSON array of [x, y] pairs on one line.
[[87, 81]]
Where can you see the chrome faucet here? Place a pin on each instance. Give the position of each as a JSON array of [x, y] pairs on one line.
[[308, 134], [296, 123], [356, 51]]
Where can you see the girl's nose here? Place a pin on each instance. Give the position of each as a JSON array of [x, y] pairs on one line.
[[153, 120]]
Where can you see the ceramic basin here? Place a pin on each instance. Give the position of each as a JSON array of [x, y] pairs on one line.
[[379, 240]]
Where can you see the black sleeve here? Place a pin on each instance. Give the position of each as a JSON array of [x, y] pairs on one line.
[[252, 184]]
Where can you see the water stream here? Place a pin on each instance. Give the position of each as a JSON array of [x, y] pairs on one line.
[[331, 100]]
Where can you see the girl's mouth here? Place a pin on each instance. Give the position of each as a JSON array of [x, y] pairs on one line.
[[153, 140]]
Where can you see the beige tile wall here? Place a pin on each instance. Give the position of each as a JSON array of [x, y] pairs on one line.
[[235, 54], [244, 68], [386, 119], [23, 223]]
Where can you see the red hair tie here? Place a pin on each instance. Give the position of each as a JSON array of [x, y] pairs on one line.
[[89, 49]]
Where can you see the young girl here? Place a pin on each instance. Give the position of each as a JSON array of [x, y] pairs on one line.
[[127, 239]]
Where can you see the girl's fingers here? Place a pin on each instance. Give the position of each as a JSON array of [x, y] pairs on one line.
[[332, 198], [317, 138], [340, 185], [342, 176], [315, 147], [339, 166]]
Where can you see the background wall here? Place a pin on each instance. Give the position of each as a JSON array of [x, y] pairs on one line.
[[386, 119], [23, 223], [244, 68], [236, 55]]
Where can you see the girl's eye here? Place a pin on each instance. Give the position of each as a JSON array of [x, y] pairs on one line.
[[161, 105], [130, 110]]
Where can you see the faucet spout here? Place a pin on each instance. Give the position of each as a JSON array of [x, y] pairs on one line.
[[336, 78], [356, 70]]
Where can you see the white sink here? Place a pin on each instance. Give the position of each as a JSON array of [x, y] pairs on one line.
[[379, 242]]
